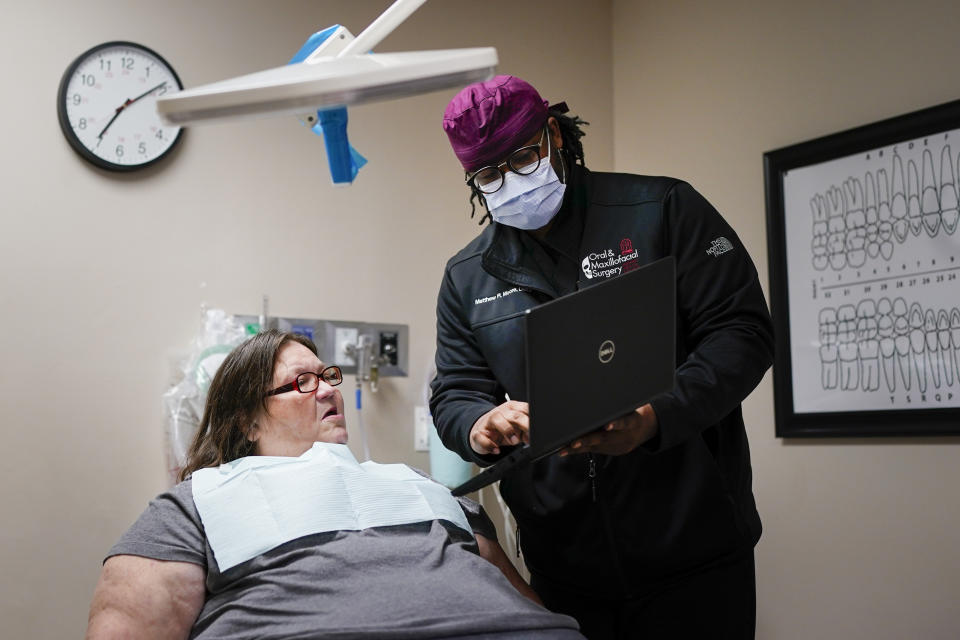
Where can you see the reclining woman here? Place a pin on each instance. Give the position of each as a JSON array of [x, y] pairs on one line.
[[277, 532]]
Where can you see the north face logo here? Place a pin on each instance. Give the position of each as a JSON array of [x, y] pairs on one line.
[[719, 246]]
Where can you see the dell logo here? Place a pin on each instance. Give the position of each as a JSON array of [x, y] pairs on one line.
[[607, 349]]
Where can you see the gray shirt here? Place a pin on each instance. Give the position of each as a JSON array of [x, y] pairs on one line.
[[419, 580]]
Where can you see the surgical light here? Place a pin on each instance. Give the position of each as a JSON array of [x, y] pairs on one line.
[[325, 78]]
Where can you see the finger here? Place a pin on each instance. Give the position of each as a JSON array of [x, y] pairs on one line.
[[518, 414], [621, 423], [484, 445], [516, 405], [521, 425], [597, 442], [510, 432], [497, 436]]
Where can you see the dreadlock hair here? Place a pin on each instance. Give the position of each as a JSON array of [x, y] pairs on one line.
[[570, 132]]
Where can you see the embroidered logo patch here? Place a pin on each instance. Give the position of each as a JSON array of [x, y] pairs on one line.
[[608, 263], [719, 246]]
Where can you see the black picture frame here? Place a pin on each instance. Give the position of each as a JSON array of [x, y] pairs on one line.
[[871, 275]]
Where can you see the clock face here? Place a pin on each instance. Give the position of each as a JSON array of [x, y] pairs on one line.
[[107, 106]]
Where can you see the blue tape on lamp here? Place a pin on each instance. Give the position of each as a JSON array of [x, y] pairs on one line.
[[331, 125]]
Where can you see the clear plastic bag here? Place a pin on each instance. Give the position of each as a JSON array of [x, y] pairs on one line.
[[183, 403]]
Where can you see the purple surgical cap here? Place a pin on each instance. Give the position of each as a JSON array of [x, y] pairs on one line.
[[488, 120]]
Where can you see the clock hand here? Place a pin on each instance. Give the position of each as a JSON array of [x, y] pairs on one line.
[[104, 130], [143, 95], [126, 104]]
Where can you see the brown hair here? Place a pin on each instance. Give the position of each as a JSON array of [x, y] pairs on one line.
[[235, 398]]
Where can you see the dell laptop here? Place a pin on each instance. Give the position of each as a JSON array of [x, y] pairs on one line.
[[592, 356]]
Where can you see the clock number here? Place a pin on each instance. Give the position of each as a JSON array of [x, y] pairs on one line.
[[162, 90], [104, 65], [75, 98], [82, 124], [88, 79], [126, 63], [159, 134], [142, 148], [119, 150]]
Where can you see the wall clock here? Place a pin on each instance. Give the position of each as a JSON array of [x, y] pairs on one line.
[[107, 106]]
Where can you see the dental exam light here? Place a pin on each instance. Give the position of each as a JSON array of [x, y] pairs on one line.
[[333, 79]]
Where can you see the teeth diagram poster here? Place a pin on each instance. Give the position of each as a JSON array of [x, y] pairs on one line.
[[873, 274]]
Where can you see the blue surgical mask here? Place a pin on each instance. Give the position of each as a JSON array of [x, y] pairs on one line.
[[528, 202]]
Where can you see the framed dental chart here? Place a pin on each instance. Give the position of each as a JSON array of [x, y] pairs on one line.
[[864, 257]]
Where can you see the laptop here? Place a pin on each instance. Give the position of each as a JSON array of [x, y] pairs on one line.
[[592, 356]]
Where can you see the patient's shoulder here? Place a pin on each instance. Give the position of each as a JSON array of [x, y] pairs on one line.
[[168, 529]]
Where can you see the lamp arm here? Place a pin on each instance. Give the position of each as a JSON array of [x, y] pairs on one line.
[[382, 27]]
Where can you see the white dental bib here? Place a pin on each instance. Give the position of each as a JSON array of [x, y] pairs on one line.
[[257, 503]]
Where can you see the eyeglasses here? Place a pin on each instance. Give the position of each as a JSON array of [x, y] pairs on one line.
[[523, 161], [308, 381]]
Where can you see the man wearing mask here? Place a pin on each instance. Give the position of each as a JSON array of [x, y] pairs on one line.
[[646, 527]]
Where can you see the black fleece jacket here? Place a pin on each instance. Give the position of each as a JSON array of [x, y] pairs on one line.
[[683, 500]]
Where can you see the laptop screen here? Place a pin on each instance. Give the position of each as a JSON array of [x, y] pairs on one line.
[[598, 353]]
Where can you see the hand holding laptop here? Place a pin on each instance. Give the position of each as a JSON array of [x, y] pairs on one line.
[[618, 437], [505, 425], [608, 384]]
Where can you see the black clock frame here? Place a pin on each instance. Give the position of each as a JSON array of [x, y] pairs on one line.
[[64, 120]]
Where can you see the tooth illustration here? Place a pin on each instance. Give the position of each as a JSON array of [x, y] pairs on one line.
[[901, 329], [820, 235], [835, 250], [828, 348], [836, 208], [883, 196], [914, 215], [853, 193], [887, 346], [929, 198], [886, 245], [898, 203], [819, 209], [868, 347], [870, 198], [917, 344], [819, 248], [949, 212], [946, 353], [934, 357], [837, 227], [873, 220], [855, 243], [855, 221], [847, 337], [955, 338]]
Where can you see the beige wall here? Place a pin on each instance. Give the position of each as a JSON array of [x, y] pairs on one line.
[[102, 276], [859, 535]]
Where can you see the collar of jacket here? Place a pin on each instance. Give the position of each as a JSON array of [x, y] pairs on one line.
[[507, 259]]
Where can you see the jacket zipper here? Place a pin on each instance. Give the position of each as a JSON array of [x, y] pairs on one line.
[[592, 474]]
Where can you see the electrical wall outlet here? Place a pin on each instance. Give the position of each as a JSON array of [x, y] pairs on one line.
[[422, 424]]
